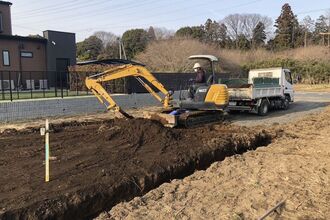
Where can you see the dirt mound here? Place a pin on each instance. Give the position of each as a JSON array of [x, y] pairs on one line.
[[99, 164]]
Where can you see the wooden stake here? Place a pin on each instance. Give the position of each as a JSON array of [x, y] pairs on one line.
[[47, 151]]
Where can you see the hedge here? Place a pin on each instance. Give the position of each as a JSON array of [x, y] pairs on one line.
[[310, 71]]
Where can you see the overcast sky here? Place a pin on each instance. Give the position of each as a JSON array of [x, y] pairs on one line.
[[84, 17]]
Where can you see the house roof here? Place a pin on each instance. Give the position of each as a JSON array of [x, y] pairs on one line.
[[16, 37], [5, 3]]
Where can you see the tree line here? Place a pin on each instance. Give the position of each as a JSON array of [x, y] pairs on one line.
[[235, 31]]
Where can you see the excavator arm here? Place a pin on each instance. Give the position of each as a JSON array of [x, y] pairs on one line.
[[94, 84]]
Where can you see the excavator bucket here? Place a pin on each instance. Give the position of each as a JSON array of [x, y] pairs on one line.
[[165, 118]]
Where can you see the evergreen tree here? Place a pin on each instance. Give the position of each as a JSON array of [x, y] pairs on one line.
[[242, 42], [212, 31], [90, 48], [135, 41], [286, 25], [151, 34], [223, 36], [195, 32], [259, 35]]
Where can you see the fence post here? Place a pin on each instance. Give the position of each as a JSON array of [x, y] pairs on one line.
[[43, 84], [55, 83], [10, 88], [76, 79], [18, 84], [67, 83], [31, 85], [61, 85], [2, 89]]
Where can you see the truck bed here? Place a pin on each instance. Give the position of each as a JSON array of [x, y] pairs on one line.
[[252, 92]]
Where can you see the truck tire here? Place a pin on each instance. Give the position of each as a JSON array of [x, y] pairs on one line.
[[263, 108], [286, 103]]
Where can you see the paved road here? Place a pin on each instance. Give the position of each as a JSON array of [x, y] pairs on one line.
[[305, 103]]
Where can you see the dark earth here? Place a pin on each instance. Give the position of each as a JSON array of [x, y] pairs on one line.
[[99, 164]]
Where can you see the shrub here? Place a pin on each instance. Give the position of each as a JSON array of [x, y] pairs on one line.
[[311, 71]]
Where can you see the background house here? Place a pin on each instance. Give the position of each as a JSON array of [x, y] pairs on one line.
[[34, 61]]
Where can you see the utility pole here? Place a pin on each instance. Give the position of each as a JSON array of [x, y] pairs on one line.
[[119, 43], [123, 49]]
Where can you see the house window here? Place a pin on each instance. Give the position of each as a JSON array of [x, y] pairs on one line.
[[1, 25], [26, 54], [5, 58]]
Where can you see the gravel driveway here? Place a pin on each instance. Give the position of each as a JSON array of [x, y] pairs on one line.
[[305, 103]]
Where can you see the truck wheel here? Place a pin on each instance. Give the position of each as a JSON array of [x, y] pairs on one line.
[[286, 103], [263, 108]]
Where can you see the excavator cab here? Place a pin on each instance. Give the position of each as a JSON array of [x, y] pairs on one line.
[[204, 96]]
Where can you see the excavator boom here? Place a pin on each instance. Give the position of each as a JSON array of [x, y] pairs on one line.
[[94, 84]]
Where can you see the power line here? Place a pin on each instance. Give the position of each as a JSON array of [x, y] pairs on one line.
[[315, 10], [155, 15], [96, 12], [138, 11], [63, 10], [27, 28], [194, 15], [55, 6]]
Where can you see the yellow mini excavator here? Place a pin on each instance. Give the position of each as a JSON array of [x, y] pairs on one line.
[[205, 102]]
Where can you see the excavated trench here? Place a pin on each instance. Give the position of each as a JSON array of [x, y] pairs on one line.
[[99, 164]]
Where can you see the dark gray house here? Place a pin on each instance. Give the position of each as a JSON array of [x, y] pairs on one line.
[[60, 52]]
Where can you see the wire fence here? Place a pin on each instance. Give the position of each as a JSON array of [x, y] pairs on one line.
[[16, 85], [37, 84]]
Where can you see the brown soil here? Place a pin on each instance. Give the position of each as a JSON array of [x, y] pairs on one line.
[[98, 164], [294, 168]]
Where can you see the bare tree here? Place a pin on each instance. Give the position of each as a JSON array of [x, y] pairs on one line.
[[163, 33], [244, 24], [250, 21], [106, 37], [308, 25], [234, 25]]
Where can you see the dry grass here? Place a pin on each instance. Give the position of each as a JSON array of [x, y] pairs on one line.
[[171, 55], [312, 88]]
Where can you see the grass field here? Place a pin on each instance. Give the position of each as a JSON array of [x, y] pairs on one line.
[[312, 88]]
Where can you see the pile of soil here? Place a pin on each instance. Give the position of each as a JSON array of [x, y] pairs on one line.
[[98, 164]]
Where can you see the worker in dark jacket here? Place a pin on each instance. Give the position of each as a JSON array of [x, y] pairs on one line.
[[200, 74], [200, 79]]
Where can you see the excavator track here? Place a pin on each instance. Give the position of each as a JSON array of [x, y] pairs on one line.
[[197, 118]]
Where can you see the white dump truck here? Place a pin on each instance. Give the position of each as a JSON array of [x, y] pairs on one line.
[[265, 89]]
